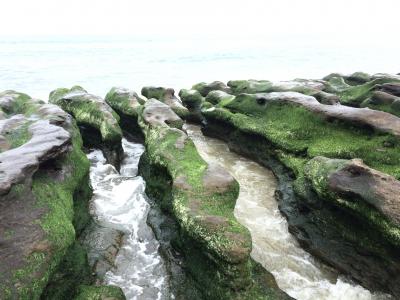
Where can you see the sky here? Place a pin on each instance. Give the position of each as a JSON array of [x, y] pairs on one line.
[[365, 19]]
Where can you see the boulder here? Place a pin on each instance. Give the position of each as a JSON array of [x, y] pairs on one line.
[[125, 103], [204, 88], [166, 96], [98, 122], [156, 113], [44, 193], [193, 101], [219, 97]]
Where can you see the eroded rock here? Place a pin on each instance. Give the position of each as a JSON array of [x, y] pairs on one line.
[[166, 96]]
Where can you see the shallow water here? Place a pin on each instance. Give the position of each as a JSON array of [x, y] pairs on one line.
[[38, 65], [119, 202], [295, 270]]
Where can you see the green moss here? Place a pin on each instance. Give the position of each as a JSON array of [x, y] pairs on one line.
[[57, 198], [101, 292], [124, 100], [295, 130], [318, 171], [219, 98], [191, 98], [355, 95], [21, 104], [18, 136], [89, 110], [250, 86], [73, 270], [174, 173]]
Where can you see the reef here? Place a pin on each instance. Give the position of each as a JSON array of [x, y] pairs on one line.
[[332, 143], [338, 167]]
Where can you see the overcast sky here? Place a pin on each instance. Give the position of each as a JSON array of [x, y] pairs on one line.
[[371, 19]]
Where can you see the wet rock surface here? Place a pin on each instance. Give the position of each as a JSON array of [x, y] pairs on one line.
[[97, 120], [39, 184], [166, 96], [157, 113]]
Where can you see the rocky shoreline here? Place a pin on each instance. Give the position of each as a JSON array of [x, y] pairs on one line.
[[333, 145]]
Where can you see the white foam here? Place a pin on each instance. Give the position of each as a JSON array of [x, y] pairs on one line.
[[119, 202]]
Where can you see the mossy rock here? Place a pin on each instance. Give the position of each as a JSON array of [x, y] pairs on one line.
[[102, 292], [204, 88], [338, 235], [125, 103], [98, 122], [89, 110], [368, 194], [219, 98], [44, 203], [358, 78], [193, 101], [167, 96], [250, 86], [201, 198]]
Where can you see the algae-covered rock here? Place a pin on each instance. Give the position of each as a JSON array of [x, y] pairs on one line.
[[102, 245], [44, 193], [167, 96], [97, 120], [358, 78], [125, 103], [371, 194], [101, 292], [249, 86], [219, 98], [284, 131], [157, 113], [201, 198], [204, 88], [193, 101]]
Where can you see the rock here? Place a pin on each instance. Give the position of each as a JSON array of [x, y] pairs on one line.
[[379, 97], [166, 96], [97, 120], [217, 179], [390, 88], [47, 142], [215, 246], [217, 97], [336, 236], [249, 86], [100, 292], [385, 76], [156, 113], [335, 84], [351, 180], [102, 245], [326, 98], [44, 193], [204, 88], [193, 101], [358, 78], [377, 120], [125, 103]]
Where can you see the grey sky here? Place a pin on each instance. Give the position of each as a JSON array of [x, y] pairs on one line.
[[369, 19]]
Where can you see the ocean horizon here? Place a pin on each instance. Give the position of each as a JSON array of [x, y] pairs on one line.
[[39, 64]]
